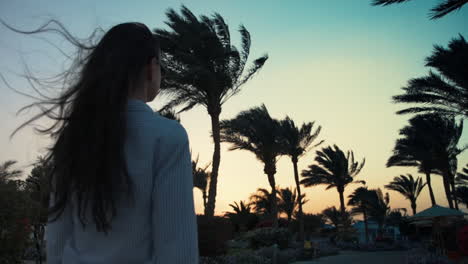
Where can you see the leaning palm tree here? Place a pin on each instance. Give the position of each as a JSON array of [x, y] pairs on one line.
[[359, 199], [201, 178], [204, 68], [256, 131], [297, 142], [445, 89], [407, 186], [289, 202], [335, 169], [440, 10], [414, 149]]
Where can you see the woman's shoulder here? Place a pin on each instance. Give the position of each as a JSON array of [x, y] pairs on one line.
[[169, 129]]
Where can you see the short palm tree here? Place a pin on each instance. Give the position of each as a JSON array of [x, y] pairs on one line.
[[336, 218], [7, 172], [256, 131], [289, 202], [440, 10], [379, 207], [201, 178], [204, 68], [359, 199], [241, 215], [297, 142], [445, 89], [407, 186], [335, 169], [261, 202]]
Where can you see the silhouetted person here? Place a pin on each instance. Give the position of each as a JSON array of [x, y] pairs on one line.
[[122, 177]]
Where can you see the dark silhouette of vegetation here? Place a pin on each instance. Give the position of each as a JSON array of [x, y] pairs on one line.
[[444, 90], [379, 208], [241, 217], [461, 182], [360, 200], [256, 131], [336, 217], [170, 114], [204, 68], [289, 202], [438, 11], [407, 186], [201, 178], [261, 202], [335, 169], [297, 142]]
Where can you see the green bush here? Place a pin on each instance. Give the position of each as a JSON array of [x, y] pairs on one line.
[[268, 236]]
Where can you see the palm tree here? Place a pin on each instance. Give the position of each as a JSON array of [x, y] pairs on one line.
[[204, 68], [201, 178], [170, 114], [379, 207], [297, 142], [442, 91], [6, 172], [289, 202], [414, 149], [407, 186], [241, 215], [359, 199], [336, 218], [334, 169], [256, 131], [440, 10], [261, 202], [462, 177]]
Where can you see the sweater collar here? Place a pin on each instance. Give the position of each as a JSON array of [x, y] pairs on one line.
[[135, 105]]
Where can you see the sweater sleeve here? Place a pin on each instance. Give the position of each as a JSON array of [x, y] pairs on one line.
[[174, 219], [57, 233]]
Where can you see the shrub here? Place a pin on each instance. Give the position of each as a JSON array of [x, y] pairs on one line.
[[265, 237], [213, 233]]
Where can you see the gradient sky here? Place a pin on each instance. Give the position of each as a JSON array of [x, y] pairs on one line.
[[336, 62]]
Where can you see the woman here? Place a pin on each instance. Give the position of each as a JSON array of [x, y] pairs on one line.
[[121, 181]]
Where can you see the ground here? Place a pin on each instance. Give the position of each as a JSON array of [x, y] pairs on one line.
[[355, 257]]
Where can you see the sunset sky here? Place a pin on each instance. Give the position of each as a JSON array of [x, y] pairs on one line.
[[336, 62]]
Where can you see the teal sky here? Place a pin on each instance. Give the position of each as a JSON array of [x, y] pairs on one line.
[[336, 62]]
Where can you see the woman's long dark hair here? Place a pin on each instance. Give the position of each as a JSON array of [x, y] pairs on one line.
[[88, 162]]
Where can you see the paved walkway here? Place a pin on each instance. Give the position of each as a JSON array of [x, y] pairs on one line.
[[355, 257]]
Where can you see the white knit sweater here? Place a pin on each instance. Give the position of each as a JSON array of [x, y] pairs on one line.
[[160, 226]]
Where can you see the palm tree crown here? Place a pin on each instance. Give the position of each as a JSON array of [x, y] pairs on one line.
[[407, 186], [335, 169], [440, 10], [204, 68], [445, 90]]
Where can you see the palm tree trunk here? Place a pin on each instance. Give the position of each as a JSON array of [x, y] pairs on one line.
[[210, 208], [299, 195], [454, 193], [366, 226], [413, 207], [270, 170], [429, 185], [342, 206], [204, 200], [447, 190]]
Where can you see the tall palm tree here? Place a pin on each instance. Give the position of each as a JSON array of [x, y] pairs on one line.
[[440, 10], [359, 199], [201, 178], [289, 201], [335, 169], [445, 89], [204, 68], [297, 141], [336, 218], [407, 186], [256, 131], [379, 207], [261, 202], [414, 149]]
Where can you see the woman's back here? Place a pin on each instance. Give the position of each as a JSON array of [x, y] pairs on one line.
[[158, 225]]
